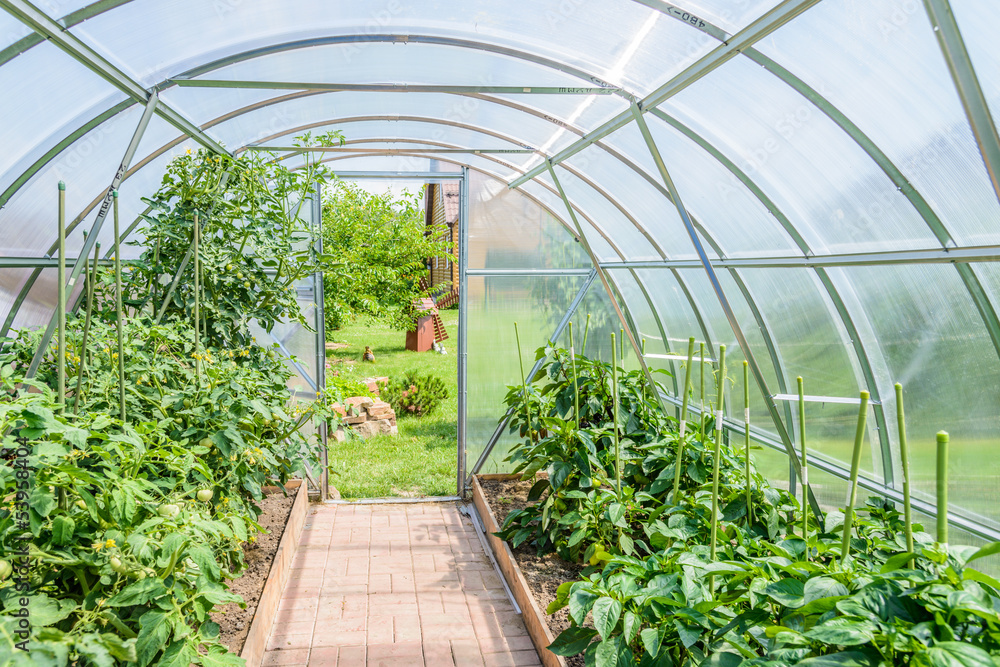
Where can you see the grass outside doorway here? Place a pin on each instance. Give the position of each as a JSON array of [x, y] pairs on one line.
[[421, 460]]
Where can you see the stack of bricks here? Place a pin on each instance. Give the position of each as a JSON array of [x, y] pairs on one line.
[[366, 417]]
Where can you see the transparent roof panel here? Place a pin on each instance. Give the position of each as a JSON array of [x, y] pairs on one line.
[[616, 42], [738, 221], [400, 115], [584, 112], [11, 30], [87, 167], [880, 64], [651, 211], [616, 226], [52, 92], [837, 197]]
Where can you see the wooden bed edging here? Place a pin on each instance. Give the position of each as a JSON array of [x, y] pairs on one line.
[[534, 618], [267, 605]]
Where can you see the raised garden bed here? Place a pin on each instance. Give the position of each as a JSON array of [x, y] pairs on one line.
[[532, 579], [269, 560]]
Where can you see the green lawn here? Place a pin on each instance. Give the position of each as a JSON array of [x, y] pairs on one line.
[[421, 460]]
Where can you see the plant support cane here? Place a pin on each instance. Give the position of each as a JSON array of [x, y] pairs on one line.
[[746, 430], [576, 382], [859, 438], [716, 455], [88, 291], [524, 383], [904, 459], [683, 427], [61, 338], [942, 487], [701, 358], [197, 302], [805, 465], [614, 404], [118, 305], [586, 332]]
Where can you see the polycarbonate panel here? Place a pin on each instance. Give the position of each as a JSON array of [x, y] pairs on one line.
[[11, 282], [11, 29], [936, 345], [537, 304], [581, 111], [40, 303], [641, 323], [644, 201], [604, 214], [880, 64], [835, 195], [554, 205], [812, 343], [445, 113], [622, 43], [770, 462], [713, 196], [508, 230], [388, 62], [54, 95], [87, 167]]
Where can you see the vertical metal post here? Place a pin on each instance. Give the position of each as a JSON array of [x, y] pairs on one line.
[[318, 294], [723, 300], [463, 335], [61, 306]]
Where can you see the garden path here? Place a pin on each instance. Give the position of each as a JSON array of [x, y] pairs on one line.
[[395, 585]]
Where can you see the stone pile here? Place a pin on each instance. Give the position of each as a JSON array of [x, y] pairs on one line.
[[365, 417]]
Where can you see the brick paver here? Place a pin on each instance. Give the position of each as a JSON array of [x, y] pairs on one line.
[[394, 585]]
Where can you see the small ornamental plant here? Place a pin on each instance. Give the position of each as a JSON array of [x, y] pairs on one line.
[[415, 394]]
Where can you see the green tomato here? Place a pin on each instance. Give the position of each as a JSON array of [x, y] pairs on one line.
[[187, 402], [79, 503], [229, 267], [116, 565], [246, 284], [168, 511], [205, 495], [207, 442], [178, 420], [239, 275], [5, 569]]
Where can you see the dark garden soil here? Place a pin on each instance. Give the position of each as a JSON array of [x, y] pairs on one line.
[[543, 573], [259, 554]]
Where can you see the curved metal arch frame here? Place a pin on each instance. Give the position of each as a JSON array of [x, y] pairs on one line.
[[677, 276], [979, 298]]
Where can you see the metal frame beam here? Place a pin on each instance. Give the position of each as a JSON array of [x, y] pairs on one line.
[[970, 92], [463, 328], [387, 151], [186, 82]]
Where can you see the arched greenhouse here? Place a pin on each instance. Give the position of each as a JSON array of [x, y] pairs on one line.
[[692, 259]]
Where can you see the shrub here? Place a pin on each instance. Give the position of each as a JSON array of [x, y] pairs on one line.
[[415, 394], [341, 387]]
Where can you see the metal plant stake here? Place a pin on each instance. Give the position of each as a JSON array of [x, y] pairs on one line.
[[805, 465], [118, 306], [746, 427], [61, 338]]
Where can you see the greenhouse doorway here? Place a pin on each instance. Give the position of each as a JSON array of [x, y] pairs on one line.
[[423, 456]]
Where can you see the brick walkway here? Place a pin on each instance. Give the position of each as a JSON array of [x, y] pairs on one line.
[[396, 585]]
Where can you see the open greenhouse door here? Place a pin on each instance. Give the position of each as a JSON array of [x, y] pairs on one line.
[[304, 347]]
